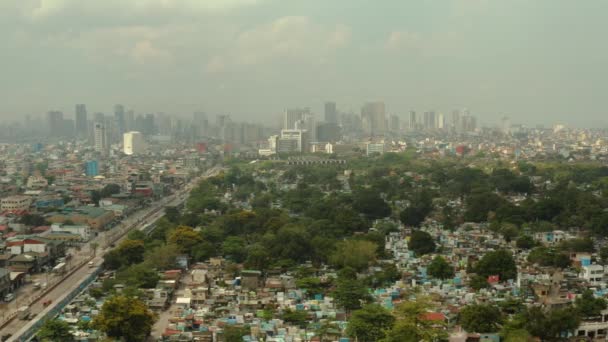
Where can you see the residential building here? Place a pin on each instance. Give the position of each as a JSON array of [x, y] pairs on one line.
[[15, 203], [133, 143]]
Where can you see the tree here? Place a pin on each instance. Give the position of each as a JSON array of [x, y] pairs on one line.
[[480, 318], [370, 204], [370, 323], [588, 305], [578, 245], [132, 251], [109, 190], [350, 293], [55, 330], [234, 249], [421, 242], [33, 220], [479, 282], [185, 238], [548, 326], [235, 334], [118, 310], [312, 285], [161, 257], [357, 254], [297, 317], [440, 268], [411, 325], [525, 242], [499, 263], [604, 255], [421, 205]]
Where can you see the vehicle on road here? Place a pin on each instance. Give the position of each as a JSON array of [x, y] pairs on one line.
[[47, 302], [9, 297], [37, 285], [24, 313], [91, 264], [59, 268]]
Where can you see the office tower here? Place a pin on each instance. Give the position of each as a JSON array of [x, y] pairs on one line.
[[67, 128], [430, 120], [99, 132], [456, 119], [55, 123], [292, 140], [119, 118], [82, 124], [440, 121], [130, 120], [200, 123], [331, 114], [91, 168], [373, 116], [328, 132], [149, 127], [291, 116], [307, 122], [412, 121], [133, 143], [394, 123]]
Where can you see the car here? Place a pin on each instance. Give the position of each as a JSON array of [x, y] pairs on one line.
[[37, 285], [91, 264], [9, 297]]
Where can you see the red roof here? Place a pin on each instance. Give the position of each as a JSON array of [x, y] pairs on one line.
[[41, 229], [14, 243], [33, 242], [3, 228], [433, 316]]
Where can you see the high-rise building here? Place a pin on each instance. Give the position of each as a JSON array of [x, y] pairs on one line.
[[331, 114], [307, 122], [412, 122], [328, 132], [82, 124], [55, 123], [149, 127], [292, 140], [456, 119], [429, 120], [91, 168], [119, 118], [200, 123], [440, 121], [130, 120], [291, 116], [133, 143], [373, 116], [394, 123], [101, 141]]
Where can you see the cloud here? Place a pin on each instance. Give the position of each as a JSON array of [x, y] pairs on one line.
[[42, 9], [415, 43], [286, 39]]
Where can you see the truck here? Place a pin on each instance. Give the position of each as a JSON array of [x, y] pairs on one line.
[[24, 313]]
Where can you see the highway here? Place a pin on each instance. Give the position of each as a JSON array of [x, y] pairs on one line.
[[79, 263]]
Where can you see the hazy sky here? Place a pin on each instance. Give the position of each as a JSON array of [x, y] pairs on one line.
[[534, 60]]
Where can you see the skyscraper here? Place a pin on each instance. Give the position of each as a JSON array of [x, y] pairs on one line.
[[200, 123], [101, 141], [55, 123], [373, 115], [133, 143], [413, 122], [82, 125], [291, 116], [430, 120], [331, 114], [130, 120], [119, 117]]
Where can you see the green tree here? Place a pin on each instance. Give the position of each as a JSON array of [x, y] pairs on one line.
[[109, 190], [440, 268], [412, 326], [296, 317], [420, 207], [369, 203], [588, 305], [479, 282], [235, 333], [548, 326], [357, 254], [350, 293], [312, 285], [55, 330], [132, 251], [421, 242], [185, 238], [499, 263], [119, 310], [525, 242], [480, 318], [234, 249], [604, 255], [370, 323]]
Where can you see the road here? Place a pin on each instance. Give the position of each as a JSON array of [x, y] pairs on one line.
[[80, 271]]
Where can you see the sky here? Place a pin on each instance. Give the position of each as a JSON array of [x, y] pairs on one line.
[[535, 61]]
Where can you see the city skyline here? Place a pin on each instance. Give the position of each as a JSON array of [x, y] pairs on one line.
[[251, 59]]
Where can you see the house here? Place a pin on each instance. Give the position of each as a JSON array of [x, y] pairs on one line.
[[83, 230], [593, 274]]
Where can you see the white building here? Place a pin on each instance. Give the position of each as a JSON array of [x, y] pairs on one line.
[[36, 182], [83, 230], [372, 148], [133, 143], [593, 274], [101, 140], [292, 140]]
